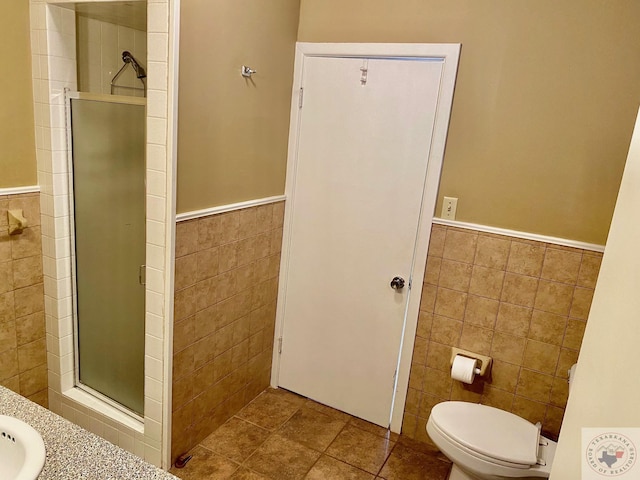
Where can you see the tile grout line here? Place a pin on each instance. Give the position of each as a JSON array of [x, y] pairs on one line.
[[324, 452], [386, 460], [271, 432]]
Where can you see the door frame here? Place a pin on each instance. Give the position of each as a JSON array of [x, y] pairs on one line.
[[449, 53]]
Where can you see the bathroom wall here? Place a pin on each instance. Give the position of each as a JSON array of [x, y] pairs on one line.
[[226, 278], [99, 52], [23, 347], [544, 105], [605, 390], [524, 303], [17, 134], [233, 132]]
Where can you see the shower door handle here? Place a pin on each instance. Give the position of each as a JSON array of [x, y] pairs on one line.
[[142, 275]]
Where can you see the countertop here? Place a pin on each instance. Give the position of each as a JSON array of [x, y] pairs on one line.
[[72, 451]]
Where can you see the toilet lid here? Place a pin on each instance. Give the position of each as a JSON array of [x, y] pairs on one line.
[[492, 432]]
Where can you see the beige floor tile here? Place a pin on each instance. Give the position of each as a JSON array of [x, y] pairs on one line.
[[282, 459], [330, 468], [269, 410], [245, 474], [281, 435], [407, 464], [312, 429], [287, 395], [360, 449], [372, 428], [421, 447], [236, 439], [332, 412], [206, 465]]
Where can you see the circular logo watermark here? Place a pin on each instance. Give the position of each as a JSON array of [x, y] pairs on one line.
[[611, 454]]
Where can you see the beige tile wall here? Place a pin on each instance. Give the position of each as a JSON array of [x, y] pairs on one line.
[[226, 284], [524, 303], [23, 346]]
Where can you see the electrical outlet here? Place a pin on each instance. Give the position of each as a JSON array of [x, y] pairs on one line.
[[449, 207]]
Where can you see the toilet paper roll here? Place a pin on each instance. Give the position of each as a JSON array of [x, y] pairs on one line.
[[463, 369]]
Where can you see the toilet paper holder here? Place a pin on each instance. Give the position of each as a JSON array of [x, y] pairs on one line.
[[484, 362], [17, 222]]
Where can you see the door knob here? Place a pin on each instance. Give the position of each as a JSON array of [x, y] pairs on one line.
[[397, 283]]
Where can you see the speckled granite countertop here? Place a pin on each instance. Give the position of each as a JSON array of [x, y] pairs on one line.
[[73, 452]]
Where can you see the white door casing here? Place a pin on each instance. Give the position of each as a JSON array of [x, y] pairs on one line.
[[319, 346]]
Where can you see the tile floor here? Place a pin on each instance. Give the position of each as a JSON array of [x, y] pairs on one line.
[[282, 436]]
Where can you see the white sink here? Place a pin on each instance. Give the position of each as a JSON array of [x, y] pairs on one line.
[[21, 450]]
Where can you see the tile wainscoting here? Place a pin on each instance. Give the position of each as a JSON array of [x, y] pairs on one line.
[[226, 285], [23, 346], [525, 303]]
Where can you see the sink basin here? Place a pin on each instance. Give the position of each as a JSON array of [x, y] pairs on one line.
[[21, 450]]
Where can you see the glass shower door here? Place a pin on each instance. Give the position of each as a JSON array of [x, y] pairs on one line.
[[108, 169]]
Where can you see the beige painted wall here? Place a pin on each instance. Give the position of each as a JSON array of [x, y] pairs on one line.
[[17, 143], [232, 133], [544, 104], [606, 392]]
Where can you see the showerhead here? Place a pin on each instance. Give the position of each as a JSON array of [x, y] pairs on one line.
[[128, 58]]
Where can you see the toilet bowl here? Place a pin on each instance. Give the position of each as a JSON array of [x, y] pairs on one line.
[[486, 443]]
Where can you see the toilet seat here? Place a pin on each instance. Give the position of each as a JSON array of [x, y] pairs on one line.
[[512, 442], [438, 436]]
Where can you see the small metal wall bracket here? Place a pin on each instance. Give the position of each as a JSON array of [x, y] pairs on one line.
[[247, 71]]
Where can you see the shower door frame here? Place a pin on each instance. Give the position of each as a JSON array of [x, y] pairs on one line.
[[74, 95]]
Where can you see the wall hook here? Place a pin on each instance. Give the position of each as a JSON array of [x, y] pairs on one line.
[[247, 71]]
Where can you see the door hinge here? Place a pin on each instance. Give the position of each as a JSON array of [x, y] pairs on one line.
[[280, 345], [300, 97], [364, 71], [142, 275]]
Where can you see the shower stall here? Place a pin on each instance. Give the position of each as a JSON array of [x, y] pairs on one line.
[[106, 214], [106, 139], [107, 176]]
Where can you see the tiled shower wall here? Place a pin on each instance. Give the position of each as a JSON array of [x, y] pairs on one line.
[[99, 49], [23, 348], [524, 303], [226, 284]]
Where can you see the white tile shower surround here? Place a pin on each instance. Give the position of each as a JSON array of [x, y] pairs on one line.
[[100, 56], [53, 37]]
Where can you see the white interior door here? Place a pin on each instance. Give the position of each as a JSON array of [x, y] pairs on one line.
[[363, 146]]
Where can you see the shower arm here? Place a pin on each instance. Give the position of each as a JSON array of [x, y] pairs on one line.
[[128, 58]]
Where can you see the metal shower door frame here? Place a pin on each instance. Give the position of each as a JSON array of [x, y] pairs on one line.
[[69, 96]]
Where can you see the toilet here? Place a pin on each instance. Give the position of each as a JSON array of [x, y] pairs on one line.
[[486, 443]]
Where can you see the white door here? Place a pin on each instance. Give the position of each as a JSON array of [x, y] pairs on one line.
[[364, 141]]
